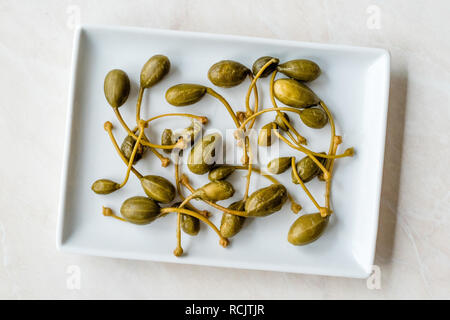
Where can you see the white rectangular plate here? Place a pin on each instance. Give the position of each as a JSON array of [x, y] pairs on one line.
[[354, 84]]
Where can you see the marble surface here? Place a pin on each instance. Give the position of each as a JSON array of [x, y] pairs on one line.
[[413, 247]]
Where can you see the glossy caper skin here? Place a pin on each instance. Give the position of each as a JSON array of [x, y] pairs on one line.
[[314, 118], [294, 94], [140, 210], [154, 70], [265, 135], [190, 224], [260, 62], [202, 156], [307, 169], [158, 188], [307, 229], [279, 165], [231, 224], [300, 69], [280, 123], [104, 186], [185, 94], [167, 139], [215, 191], [221, 172], [127, 147], [227, 73], [116, 87], [266, 201]]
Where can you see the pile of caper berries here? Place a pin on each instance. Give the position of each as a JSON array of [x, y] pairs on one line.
[[160, 193]]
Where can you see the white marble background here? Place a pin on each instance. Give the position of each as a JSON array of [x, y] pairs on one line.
[[413, 247]]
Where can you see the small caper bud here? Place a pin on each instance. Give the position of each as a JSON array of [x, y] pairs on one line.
[[154, 70], [167, 139], [314, 118], [221, 172], [104, 186], [215, 191], [295, 94], [185, 94], [231, 224], [280, 123], [265, 134], [260, 62], [140, 210], [127, 149], [279, 165], [266, 201], [307, 228], [300, 69], [116, 87], [158, 188], [307, 169], [202, 156]]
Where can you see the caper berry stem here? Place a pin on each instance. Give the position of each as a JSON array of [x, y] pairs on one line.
[[333, 128], [249, 172], [253, 84], [216, 95], [223, 241], [294, 170], [133, 154], [107, 212], [108, 127], [179, 145], [202, 119], [300, 138], [164, 160], [336, 142]]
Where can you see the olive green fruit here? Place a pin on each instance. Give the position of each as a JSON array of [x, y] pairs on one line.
[[300, 69], [104, 186], [190, 224], [266, 201], [265, 135], [227, 73], [260, 62], [314, 118], [167, 139], [154, 70], [116, 87], [215, 191], [231, 224], [140, 210], [202, 156], [158, 188], [221, 172], [185, 94], [307, 169], [279, 165], [307, 229], [280, 123], [294, 94], [127, 149]]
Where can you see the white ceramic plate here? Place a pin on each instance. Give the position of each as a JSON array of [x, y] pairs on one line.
[[354, 84]]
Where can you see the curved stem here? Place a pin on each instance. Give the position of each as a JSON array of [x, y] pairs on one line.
[[107, 212], [249, 172], [138, 104], [255, 109], [202, 119], [336, 141], [300, 138], [180, 144], [133, 154], [253, 84], [223, 241], [294, 170], [213, 93], [333, 128], [108, 127]]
